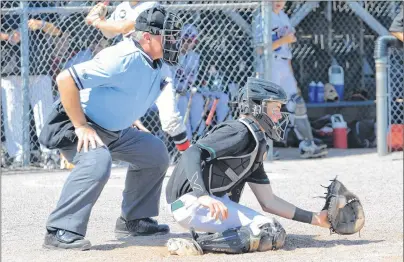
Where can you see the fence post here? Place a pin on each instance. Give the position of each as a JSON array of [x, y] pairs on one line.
[[25, 82], [382, 45], [381, 105], [266, 13]]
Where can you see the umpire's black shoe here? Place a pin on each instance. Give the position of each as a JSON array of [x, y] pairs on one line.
[[139, 227], [62, 239]]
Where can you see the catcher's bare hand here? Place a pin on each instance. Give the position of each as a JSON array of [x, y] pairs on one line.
[[98, 12], [215, 206], [321, 219], [86, 135]]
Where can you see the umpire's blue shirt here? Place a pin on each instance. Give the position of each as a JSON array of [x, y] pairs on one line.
[[118, 85]]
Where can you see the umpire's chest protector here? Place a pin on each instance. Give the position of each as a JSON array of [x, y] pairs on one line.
[[225, 173]]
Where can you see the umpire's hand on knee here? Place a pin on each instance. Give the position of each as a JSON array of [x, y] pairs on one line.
[[86, 135], [215, 206]]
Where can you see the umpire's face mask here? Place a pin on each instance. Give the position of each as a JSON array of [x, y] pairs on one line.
[[171, 39]]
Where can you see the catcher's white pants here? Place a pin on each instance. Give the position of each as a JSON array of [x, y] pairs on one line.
[[194, 215], [41, 100]]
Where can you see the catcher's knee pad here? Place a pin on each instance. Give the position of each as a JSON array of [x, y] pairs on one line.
[[231, 241], [273, 236]]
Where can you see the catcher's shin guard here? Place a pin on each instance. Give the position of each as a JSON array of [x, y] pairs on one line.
[[271, 236], [231, 241]]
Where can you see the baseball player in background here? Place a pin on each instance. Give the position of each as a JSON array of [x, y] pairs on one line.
[[91, 125], [206, 185], [215, 86], [282, 74], [119, 24], [185, 76]]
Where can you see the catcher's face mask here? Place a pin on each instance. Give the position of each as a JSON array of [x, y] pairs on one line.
[[269, 116]]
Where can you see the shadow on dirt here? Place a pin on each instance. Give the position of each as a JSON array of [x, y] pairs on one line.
[[292, 242], [155, 241], [308, 241]]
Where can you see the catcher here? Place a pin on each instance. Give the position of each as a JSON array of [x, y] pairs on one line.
[[205, 187]]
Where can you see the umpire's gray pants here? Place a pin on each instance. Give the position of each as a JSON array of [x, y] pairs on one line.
[[148, 159]]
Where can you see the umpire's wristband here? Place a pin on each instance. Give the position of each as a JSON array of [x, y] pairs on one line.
[[181, 141], [184, 146]]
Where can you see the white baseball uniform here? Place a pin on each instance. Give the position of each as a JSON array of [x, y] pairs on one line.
[[171, 121], [127, 11], [281, 71], [41, 100]]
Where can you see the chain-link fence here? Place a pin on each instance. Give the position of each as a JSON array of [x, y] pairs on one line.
[[41, 38], [395, 91], [333, 33], [219, 60]]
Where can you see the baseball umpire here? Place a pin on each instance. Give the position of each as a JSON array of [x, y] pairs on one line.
[[205, 187], [91, 126], [120, 24]]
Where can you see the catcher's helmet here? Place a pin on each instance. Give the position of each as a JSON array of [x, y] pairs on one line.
[[158, 21], [253, 99]]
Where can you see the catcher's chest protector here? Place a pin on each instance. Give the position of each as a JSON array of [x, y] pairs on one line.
[[228, 173]]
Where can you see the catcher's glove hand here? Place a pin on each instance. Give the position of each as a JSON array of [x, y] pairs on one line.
[[345, 219], [97, 13]]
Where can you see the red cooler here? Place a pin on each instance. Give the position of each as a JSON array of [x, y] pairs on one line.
[[339, 127]]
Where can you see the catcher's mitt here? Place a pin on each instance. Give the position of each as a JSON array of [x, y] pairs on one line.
[[98, 12], [347, 217]]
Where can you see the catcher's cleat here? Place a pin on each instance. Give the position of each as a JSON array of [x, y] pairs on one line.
[[184, 247]]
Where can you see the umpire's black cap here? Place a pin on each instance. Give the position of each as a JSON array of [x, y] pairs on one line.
[[151, 20]]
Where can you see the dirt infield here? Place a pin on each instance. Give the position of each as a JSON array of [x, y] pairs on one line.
[[28, 198]]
